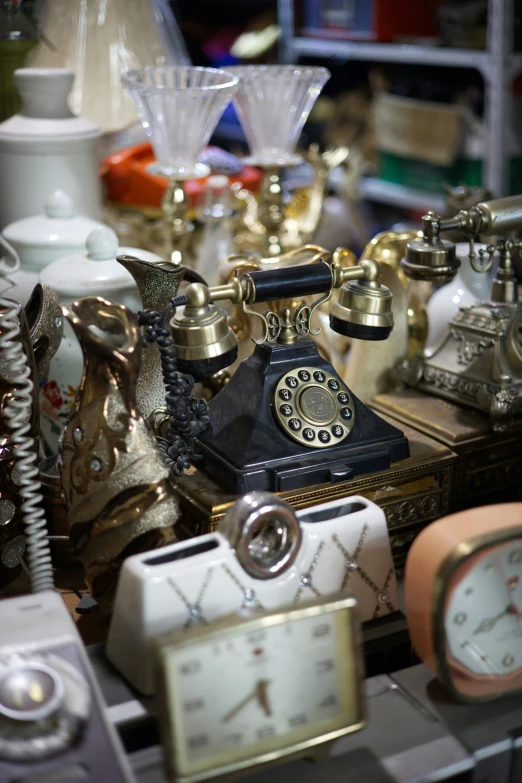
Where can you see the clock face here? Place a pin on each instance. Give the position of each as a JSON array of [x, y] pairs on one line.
[[255, 690], [483, 616]]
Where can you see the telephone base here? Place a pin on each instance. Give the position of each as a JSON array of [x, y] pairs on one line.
[[476, 363], [248, 448]]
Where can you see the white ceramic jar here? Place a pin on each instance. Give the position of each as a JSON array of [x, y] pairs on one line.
[[46, 148], [92, 272], [41, 239]]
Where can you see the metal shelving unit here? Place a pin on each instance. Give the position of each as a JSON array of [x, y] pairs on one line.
[[497, 64], [375, 189]]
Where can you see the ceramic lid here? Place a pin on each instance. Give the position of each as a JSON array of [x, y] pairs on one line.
[[45, 113], [94, 271], [59, 226]]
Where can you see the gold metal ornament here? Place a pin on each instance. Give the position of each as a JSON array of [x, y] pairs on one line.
[[271, 227], [45, 320], [115, 481]]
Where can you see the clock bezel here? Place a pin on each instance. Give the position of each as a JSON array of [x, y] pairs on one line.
[[226, 627], [444, 577]]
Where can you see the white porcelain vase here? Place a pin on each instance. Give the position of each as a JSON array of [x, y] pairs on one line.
[[46, 148]]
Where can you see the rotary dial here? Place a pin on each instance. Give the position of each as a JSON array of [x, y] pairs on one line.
[[314, 407]]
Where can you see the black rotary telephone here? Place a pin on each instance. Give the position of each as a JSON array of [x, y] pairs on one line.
[[286, 420]]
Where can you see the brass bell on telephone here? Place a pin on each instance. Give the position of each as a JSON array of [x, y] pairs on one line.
[[431, 258], [204, 341], [363, 309]]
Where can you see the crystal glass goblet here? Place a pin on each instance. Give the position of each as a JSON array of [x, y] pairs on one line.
[[273, 103], [180, 107]]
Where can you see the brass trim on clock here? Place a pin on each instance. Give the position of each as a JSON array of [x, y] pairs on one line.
[[447, 570], [219, 629]]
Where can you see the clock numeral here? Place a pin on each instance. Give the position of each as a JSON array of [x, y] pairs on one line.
[[321, 630], [515, 557], [193, 704], [324, 666], [199, 741], [329, 701], [508, 660], [297, 720], [234, 739], [266, 731], [190, 667], [460, 618]]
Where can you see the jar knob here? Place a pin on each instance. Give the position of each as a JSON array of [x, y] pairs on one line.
[[59, 205], [102, 244], [44, 92]]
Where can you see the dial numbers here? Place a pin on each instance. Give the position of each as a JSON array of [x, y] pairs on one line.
[[319, 404], [252, 701], [460, 618], [484, 614]]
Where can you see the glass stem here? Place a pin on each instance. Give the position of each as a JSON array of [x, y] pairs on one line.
[[179, 230], [271, 208]]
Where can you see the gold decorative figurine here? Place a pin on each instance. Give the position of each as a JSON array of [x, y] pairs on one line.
[[272, 227], [115, 481]]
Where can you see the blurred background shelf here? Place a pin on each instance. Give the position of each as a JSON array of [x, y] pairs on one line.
[[388, 53], [497, 63], [375, 189]]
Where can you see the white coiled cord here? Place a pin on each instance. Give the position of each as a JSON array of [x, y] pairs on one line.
[[18, 416]]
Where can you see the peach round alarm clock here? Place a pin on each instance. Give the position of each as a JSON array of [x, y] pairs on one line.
[[463, 592]]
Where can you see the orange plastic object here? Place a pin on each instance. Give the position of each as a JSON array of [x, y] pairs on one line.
[[127, 180]]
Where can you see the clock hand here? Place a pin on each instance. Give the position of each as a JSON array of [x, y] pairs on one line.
[[262, 695], [489, 622], [243, 703], [516, 614]]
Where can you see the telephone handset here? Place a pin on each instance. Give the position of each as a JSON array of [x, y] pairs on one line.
[[285, 420]]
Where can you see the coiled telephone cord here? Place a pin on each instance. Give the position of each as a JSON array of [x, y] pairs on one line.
[[18, 416], [188, 416]]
